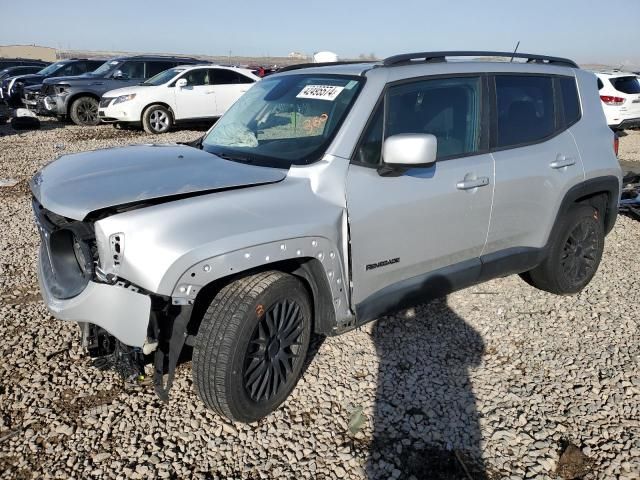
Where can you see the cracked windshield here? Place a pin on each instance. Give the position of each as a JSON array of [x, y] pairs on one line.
[[284, 121]]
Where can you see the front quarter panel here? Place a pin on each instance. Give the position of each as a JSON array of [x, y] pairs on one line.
[[176, 248]]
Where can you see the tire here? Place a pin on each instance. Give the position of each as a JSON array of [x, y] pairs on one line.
[[242, 368], [157, 119], [84, 111], [574, 256]]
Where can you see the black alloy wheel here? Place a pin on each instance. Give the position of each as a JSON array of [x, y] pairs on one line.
[[272, 351]]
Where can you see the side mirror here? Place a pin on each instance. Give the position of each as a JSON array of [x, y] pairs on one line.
[[118, 75], [410, 150], [181, 83]]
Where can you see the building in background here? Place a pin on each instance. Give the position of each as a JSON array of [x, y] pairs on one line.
[[34, 52]]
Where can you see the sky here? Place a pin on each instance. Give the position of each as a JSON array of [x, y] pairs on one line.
[[588, 31]]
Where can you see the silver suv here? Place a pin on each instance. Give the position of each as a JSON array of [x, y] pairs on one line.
[[326, 197]]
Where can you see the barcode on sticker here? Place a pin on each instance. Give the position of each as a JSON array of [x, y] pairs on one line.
[[320, 92]]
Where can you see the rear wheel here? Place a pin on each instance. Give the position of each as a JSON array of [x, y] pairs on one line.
[[252, 344], [156, 119], [575, 255], [84, 111]]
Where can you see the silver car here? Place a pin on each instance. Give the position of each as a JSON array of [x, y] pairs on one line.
[[326, 197]]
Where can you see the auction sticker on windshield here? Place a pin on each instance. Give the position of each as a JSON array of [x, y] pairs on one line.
[[320, 92]]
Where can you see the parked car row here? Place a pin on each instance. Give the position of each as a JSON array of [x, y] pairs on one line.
[[155, 92]]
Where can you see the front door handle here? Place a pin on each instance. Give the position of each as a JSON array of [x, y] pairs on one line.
[[562, 161], [472, 183]]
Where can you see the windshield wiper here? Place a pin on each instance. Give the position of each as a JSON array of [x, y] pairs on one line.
[[235, 158]]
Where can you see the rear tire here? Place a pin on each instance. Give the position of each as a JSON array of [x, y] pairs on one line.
[[574, 256], [157, 119], [251, 345], [84, 111]]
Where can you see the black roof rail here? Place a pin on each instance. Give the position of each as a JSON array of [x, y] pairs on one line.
[[298, 66], [405, 58]]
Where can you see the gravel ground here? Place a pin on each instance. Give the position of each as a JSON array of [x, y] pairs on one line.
[[497, 381]]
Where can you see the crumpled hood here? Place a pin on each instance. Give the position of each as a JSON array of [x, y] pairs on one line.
[[75, 185]]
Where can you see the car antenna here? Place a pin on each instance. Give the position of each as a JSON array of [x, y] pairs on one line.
[[514, 51]]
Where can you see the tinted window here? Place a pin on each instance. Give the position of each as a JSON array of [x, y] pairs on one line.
[[197, 77], [93, 64], [224, 77], [71, 70], [600, 84], [370, 148], [525, 109], [132, 69], [447, 108], [626, 84], [154, 68], [570, 101]]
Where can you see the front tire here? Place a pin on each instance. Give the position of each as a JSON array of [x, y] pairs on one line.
[[251, 345], [84, 111], [574, 256], [157, 119]]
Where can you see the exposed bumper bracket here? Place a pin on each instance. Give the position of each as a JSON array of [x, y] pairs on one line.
[[168, 352]]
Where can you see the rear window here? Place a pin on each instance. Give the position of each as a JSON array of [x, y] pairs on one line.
[[570, 101], [525, 109], [626, 84]]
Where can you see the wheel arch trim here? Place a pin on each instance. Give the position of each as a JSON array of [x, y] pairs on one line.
[[314, 259]]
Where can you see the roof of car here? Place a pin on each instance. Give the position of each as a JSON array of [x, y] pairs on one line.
[[614, 73], [158, 58], [436, 58]]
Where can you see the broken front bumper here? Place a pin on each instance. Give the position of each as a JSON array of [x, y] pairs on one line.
[[120, 311]]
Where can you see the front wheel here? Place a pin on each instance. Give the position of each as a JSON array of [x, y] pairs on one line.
[[251, 345], [574, 256], [84, 111], [156, 119]]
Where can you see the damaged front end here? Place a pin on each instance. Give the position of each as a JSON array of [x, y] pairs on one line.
[[123, 326]]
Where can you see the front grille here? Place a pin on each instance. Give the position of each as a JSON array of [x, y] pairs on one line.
[[68, 252], [104, 102]]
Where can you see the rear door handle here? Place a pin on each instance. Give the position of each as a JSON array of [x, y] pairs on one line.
[[475, 183], [562, 161]]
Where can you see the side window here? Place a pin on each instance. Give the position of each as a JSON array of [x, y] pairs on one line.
[[525, 109], [92, 65], [369, 151], [154, 68], [196, 77], [71, 70], [570, 101], [448, 108], [600, 84], [226, 77], [132, 70]]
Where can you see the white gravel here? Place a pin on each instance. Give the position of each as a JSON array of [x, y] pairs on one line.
[[498, 378]]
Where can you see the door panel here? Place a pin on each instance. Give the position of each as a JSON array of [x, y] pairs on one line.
[[420, 218], [529, 191], [424, 219], [536, 165], [197, 99]]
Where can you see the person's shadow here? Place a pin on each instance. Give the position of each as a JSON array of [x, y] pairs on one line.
[[426, 422]]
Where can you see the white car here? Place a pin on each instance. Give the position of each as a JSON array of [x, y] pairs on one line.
[[180, 94], [620, 95]]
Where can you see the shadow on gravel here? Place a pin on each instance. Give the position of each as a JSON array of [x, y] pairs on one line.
[[426, 422]]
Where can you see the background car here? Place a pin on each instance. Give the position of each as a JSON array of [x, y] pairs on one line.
[[78, 97], [14, 62], [620, 95], [13, 87], [180, 94], [15, 71], [19, 70]]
